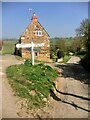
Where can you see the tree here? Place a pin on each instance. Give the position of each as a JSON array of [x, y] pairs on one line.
[[60, 44], [57, 48], [84, 32], [78, 45]]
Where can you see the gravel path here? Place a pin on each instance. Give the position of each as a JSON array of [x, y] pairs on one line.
[[69, 100]]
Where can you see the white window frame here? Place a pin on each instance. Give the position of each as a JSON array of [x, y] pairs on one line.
[[38, 33], [22, 38]]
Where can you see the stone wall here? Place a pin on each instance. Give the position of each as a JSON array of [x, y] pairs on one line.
[[29, 35]]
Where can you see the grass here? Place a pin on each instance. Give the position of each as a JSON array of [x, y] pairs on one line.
[[8, 46], [19, 57], [66, 58], [32, 82], [81, 56]]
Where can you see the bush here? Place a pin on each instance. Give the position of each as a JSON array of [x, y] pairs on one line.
[[66, 58], [86, 63], [27, 62]]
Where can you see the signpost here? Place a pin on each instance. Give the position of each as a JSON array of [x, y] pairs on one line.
[[30, 45]]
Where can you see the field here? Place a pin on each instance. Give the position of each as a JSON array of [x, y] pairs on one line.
[[8, 46]]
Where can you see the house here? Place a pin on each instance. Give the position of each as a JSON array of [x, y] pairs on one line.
[[35, 33]]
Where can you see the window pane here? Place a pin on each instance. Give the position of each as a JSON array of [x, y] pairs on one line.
[[38, 33]]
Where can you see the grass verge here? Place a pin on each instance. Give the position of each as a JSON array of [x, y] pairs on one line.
[[33, 83]]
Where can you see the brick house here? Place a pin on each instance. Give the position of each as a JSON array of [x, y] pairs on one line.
[[37, 34]]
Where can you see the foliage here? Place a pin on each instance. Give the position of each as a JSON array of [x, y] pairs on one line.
[[66, 58], [74, 45], [27, 62], [19, 57], [84, 32], [83, 28], [59, 54], [78, 45], [58, 44], [32, 82], [85, 61]]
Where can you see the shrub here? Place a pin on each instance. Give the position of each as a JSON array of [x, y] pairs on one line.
[[86, 63], [66, 58]]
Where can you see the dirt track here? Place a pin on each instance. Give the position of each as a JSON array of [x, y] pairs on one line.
[[9, 107], [69, 101]]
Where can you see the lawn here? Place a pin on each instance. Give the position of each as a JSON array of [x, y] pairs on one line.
[[33, 83]]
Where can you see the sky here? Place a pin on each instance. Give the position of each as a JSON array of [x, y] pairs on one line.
[[60, 19]]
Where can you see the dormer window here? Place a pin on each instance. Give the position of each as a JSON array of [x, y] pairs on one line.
[[38, 33]]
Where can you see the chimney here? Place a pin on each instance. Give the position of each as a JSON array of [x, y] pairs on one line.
[[34, 18]]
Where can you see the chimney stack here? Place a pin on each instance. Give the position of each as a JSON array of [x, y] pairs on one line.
[[34, 18]]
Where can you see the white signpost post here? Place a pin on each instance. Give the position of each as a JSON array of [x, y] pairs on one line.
[[30, 45]]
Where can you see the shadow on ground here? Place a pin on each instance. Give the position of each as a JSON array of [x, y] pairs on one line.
[[70, 94], [75, 71], [73, 104]]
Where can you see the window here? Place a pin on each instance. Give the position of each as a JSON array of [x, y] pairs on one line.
[[36, 54], [27, 49], [38, 33]]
